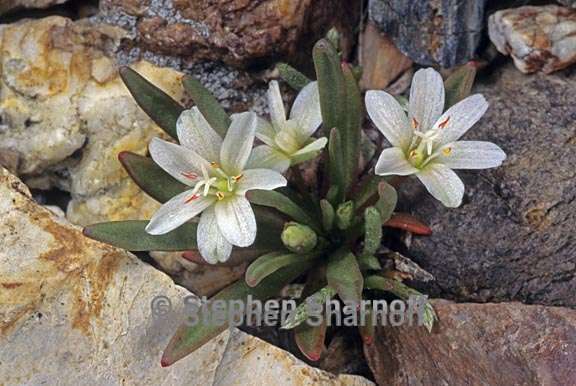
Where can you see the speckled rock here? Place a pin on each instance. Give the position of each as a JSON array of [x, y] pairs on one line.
[[537, 38], [512, 239], [10, 5], [479, 344], [66, 115], [237, 32], [77, 312], [439, 32]]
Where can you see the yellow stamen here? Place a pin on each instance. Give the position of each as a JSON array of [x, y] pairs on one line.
[[215, 165], [220, 196], [413, 154], [447, 151], [238, 177]]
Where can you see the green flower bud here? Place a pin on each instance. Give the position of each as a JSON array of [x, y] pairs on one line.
[[344, 215], [299, 238]]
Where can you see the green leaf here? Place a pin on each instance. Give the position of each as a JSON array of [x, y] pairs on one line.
[[310, 339], [344, 275], [300, 314], [331, 84], [403, 292], [328, 214], [459, 84], [189, 338], [150, 177], [284, 205], [345, 215], [352, 126], [130, 235], [269, 263], [367, 190], [208, 105], [292, 76], [388, 198], [159, 106], [372, 231], [335, 165]]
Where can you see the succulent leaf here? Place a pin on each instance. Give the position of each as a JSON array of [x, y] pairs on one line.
[[408, 223], [459, 84], [208, 105], [269, 263], [388, 198], [372, 231], [292, 76], [328, 214], [344, 275]]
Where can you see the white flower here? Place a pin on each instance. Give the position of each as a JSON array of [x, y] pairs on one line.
[[288, 141], [425, 143], [214, 168]]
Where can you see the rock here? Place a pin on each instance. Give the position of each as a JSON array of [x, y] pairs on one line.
[[538, 38], [382, 62], [66, 115], [203, 280], [237, 32], [78, 311], [10, 5], [479, 344], [568, 3], [512, 237], [440, 32]]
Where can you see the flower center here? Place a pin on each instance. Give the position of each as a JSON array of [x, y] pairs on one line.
[[421, 150], [218, 184]]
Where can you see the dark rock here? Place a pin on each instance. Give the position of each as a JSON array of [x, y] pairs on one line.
[[11, 5], [479, 344], [568, 3], [238, 32], [432, 32], [513, 237]]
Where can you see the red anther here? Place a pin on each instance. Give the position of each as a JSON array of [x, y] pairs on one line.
[[190, 175], [191, 198], [444, 123]]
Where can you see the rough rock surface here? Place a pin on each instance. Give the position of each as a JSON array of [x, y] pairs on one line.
[[512, 239], [479, 344], [238, 32], [77, 312], [9, 5], [442, 32], [568, 3], [66, 115], [538, 38], [382, 62]]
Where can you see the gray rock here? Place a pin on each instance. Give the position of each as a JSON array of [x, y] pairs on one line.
[[537, 38], [77, 312], [445, 33], [513, 237], [10, 5], [479, 344]]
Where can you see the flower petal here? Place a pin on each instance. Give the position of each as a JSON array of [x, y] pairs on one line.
[[317, 145], [460, 117], [181, 163], [306, 111], [236, 221], [195, 133], [265, 179], [237, 145], [264, 131], [212, 245], [443, 184], [389, 118], [426, 98], [471, 155], [288, 139], [177, 211], [392, 161], [266, 157], [276, 105]]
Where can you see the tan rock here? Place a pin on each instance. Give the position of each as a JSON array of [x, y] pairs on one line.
[[77, 312], [538, 38], [382, 62], [10, 5]]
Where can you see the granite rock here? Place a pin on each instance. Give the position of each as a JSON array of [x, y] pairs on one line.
[[440, 32], [512, 238], [537, 38], [74, 311], [479, 344]]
